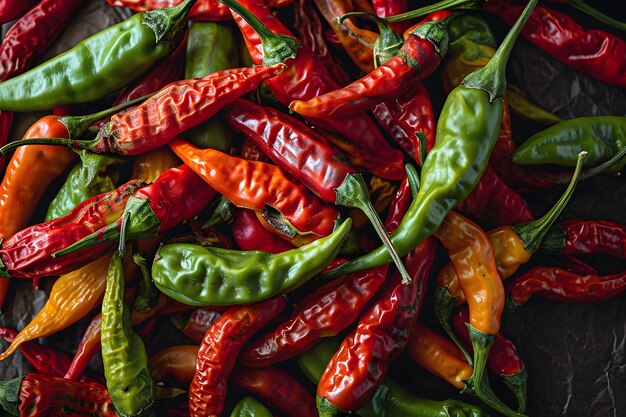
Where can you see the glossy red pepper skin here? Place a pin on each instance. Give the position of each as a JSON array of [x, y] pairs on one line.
[[88, 347], [386, 8], [594, 52], [281, 392], [218, 353], [560, 285], [200, 320], [249, 234], [306, 77], [587, 236], [12, 9]]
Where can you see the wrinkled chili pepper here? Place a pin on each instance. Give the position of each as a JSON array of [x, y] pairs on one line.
[[139, 42], [279, 391], [420, 55], [249, 407], [199, 321], [218, 277], [306, 77], [12, 9], [504, 360], [174, 364], [150, 165], [249, 234], [466, 133], [586, 236], [218, 352], [39, 395], [306, 156], [591, 51], [261, 187], [560, 285]]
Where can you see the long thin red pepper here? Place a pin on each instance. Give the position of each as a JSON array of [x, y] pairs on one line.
[[586, 236], [11, 9], [595, 52], [218, 352]]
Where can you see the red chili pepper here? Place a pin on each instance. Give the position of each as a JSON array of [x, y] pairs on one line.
[[88, 347], [560, 285], [279, 390], [402, 117], [11, 9], [586, 236], [595, 52], [385, 8], [249, 234], [419, 56], [306, 77], [575, 265], [200, 320], [218, 352], [251, 152]]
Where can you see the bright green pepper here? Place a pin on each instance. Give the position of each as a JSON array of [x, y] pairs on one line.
[[202, 276], [124, 356], [601, 136], [389, 399], [87, 179], [100, 64], [249, 407], [211, 47]]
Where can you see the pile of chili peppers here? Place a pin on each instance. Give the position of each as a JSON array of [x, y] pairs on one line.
[[231, 185]]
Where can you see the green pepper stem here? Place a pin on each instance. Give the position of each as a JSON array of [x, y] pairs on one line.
[[532, 233], [596, 14], [168, 23], [73, 143], [444, 4], [276, 47], [491, 78], [444, 304], [414, 179], [386, 45], [517, 383]]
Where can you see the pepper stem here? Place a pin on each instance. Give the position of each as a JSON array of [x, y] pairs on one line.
[[414, 179], [596, 14], [517, 383], [353, 193], [168, 23], [387, 44], [444, 304], [147, 292], [491, 78], [532, 233], [277, 48], [445, 4]]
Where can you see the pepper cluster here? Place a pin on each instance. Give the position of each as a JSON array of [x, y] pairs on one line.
[[234, 185]]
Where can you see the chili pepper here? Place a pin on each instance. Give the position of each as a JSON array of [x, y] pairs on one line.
[[280, 391], [307, 157], [586, 236], [199, 321], [420, 54], [523, 107], [601, 136], [389, 398], [222, 281], [40, 395], [249, 407], [218, 352], [177, 195], [503, 360], [12, 9], [466, 133], [593, 52], [138, 42], [211, 47], [150, 165], [385, 8], [123, 353], [265, 189], [174, 363], [251, 152], [87, 179], [249, 234], [560, 285], [306, 77], [596, 14]]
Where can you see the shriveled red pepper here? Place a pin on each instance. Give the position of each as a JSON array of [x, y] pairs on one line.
[[174, 364], [504, 360], [218, 352], [257, 185], [420, 55], [586, 236], [560, 285], [11, 9], [199, 321], [249, 234], [281, 392], [595, 52]]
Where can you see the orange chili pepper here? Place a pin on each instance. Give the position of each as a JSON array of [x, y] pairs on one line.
[[148, 166], [174, 363]]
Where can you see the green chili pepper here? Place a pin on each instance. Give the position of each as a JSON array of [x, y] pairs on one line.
[[387, 45], [124, 356], [200, 276], [87, 179], [389, 399], [211, 47], [249, 407], [472, 27], [99, 64], [523, 107], [601, 136]]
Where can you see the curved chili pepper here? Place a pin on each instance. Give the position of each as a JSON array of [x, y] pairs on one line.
[[466, 133], [199, 321], [279, 391], [249, 234], [249, 407], [586, 236], [174, 363], [503, 360], [218, 277], [385, 8], [265, 188], [150, 165], [560, 285], [594, 52], [139, 42], [12, 9], [420, 55], [219, 349], [306, 77]]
